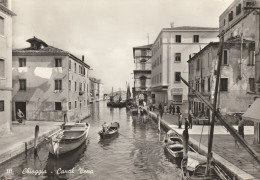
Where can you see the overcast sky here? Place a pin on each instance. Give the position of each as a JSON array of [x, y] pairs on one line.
[[105, 31]]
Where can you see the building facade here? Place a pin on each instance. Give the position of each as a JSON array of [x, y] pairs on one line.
[[170, 53], [49, 83], [96, 89], [242, 18], [236, 80], [5, 67], [142, 73]]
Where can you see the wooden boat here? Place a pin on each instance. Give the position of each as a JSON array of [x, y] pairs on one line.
[[134, 110], [109, 131], [173, 144], [68, 138]]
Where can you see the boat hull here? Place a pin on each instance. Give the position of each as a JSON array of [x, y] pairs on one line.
[[67, 143], [177, 153]]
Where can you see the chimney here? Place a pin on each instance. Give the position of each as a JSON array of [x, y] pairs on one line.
[[83, 58], [172, 24]]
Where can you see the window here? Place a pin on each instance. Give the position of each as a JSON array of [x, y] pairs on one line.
[[178, 38], [58, 84], [143, 65], [75, 65], [160, 77], [196, 38], [224, 22], [2, 26], [80, 87], [58, 62], [251, 58], [177, 57], [177, 76], [209, 57], [79, 69], [2, 106], [225, 57], [224, 84], [198, 65], [230, 16], [2, 68], [75, 104], [69, 64], [252, 84], [209, 84], [69, 85], [22, 83], [238, 9], [58, 106], [202, 85], [160, 60], [22, 62], [69, 105], [84, 87], [75, 86]]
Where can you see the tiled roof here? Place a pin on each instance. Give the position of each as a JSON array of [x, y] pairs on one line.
[[144, 47], [49, 50], [192, 28]]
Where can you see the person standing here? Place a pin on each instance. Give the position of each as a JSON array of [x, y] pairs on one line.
[[173, 109], [165, 109], [170, 109], [190, 120], [241, 127], [180, 119], [161, 110], [178, 109], [186, 123]]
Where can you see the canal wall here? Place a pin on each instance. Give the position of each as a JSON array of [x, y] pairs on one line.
[[228, 167], [22, 138]]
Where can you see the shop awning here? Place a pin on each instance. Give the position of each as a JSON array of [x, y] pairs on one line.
[[253, 113]]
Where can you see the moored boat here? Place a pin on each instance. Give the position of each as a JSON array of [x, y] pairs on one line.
[[68, 138], [109, 130], [173, 144]]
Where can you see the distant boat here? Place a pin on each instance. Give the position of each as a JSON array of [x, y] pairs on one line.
[[68, 138], [109, 131]]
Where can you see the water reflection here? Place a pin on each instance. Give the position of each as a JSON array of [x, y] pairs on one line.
[[64, 162]]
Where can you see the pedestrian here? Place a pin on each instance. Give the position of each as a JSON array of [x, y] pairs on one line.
[[160, 109], [186, 123], [180, 119], [241, 127], [173, 109], [178, 109], [153, 106], [165, 109], [170, 108], [190, 120], [20, 116]]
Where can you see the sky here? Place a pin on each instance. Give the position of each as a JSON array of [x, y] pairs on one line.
[[105, 31]]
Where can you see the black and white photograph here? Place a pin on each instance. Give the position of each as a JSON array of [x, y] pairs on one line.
[[130, 89]]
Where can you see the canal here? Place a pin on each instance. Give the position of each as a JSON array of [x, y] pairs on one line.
[[136, 153]]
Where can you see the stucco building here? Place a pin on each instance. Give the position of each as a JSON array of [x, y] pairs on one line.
[[96, 89], [236, 80], [5, 66], [170, 53], [49, 83], [142, 72], [242, 18]]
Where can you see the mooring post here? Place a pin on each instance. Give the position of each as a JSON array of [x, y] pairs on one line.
[[159, 123], [36, 133]]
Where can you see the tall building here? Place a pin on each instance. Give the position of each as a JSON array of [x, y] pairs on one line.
[[242, 19], [96, 89], [5, 66], [142, 73], [170, 53], [236, 81], [49, 83]]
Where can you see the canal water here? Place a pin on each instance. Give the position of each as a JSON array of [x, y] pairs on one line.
[[136, 153]]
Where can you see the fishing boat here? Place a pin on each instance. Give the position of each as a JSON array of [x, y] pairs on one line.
[[109, 131], [173, 144], [68, 138]]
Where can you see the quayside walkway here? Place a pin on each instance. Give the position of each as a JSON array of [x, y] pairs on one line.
[[22, 136], [230, 155]]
